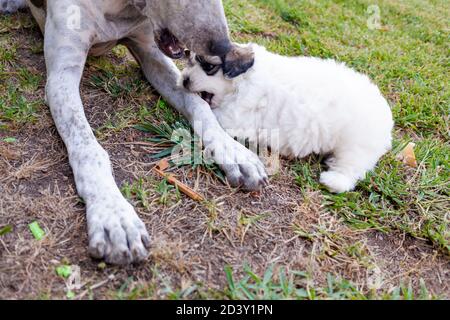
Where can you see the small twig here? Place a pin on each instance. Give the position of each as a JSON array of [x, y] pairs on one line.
[[6, 248], [95, 286], [162, 166]]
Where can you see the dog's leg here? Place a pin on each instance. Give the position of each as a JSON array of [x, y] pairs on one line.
[[346, 167], [242, 167], [115, 231]]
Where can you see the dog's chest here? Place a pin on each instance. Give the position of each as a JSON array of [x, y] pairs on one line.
[[124, 17], [118, 25]]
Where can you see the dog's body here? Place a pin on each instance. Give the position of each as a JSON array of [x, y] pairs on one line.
[[316, 106], [75, 28]]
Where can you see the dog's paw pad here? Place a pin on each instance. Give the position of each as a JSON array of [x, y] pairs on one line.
[[336, 182]]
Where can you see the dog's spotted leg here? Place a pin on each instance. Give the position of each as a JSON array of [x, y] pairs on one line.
[[242, 167], [116, 233]]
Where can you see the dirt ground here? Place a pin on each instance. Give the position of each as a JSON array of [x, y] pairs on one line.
[[192, 242]]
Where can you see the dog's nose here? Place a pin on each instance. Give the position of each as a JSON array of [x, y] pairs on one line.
[[186, 82], [220, 48]]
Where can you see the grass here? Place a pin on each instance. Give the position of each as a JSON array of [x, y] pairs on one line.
[[272, 285], [298, 285], [16, 107], [177, 140], [110, 83], [406, 55]]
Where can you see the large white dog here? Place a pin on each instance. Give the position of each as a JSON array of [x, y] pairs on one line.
[[314, 105]]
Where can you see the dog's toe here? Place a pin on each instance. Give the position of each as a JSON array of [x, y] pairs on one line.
[[97, 248], [252, 177]]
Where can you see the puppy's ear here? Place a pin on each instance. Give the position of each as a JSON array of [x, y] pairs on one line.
[[238, 61]]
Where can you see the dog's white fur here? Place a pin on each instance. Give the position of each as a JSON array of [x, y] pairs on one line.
[[318, 106]]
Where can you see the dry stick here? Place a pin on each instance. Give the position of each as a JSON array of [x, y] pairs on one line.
[[93, 287], [163, 165], [4, 245]]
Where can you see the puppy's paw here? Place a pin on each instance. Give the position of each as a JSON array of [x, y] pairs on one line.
[[337, 182], [116, 234], [242, 167]]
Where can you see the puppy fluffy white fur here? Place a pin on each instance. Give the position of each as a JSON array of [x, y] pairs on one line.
[[317, 106]]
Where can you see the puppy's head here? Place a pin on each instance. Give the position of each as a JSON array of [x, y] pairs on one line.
[[208, 77]]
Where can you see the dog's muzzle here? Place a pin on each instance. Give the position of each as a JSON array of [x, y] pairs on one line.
[[169, 44], [208, 97]]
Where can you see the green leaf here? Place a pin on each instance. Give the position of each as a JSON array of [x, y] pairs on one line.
[[70, 294], [268, 275], [64, 271], [162, 154], [36, 230], [10, 140], [302, 293], [250, 272], [250, 296], [229, 275], [5, 230]]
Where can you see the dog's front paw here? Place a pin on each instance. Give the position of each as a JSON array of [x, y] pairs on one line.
[[242, 167], [116, 234]]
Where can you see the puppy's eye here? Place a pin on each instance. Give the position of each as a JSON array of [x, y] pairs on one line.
[[210, 69]]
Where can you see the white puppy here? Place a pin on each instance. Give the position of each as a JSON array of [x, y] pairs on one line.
[[316, 106]]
